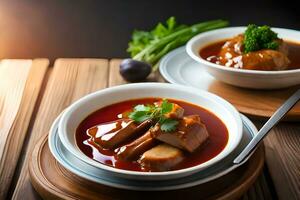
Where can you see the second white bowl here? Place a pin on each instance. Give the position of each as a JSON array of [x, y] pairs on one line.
[[240, 77]]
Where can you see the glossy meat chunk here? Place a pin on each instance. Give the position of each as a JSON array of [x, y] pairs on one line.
[[231, 55], [111, 135], [232, 47], [265, 60], [190, 134], [133, 150], [176, 112], [162, 157]]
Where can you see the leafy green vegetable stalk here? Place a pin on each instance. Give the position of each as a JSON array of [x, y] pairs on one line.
[[151, 46], [155, 113]]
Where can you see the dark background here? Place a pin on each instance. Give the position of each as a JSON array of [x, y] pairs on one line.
[[102, 28]]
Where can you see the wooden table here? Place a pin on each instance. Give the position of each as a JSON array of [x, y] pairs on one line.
[[30, 90]]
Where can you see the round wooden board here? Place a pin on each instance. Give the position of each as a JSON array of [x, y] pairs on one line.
[[52, 181]]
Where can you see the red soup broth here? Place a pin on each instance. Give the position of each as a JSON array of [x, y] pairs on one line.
[[218, 134]]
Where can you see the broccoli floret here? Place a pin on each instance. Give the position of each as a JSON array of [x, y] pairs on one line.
[[259, 37]]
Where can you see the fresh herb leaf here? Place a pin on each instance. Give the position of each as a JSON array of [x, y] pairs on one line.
[[139, 116], [169, 125], [140, 39], [166, 107], [156, 113], [171, 23], [162, 30], [142, 107], [162, 119]]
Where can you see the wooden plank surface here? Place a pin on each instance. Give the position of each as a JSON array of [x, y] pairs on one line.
[[283, 159], [260, 104], [260, 190], [73, 78], [70, 80], [20, 83]]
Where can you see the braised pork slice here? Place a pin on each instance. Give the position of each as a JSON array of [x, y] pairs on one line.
[[133, 150], [189, 135], [111, 135], [162, 157]]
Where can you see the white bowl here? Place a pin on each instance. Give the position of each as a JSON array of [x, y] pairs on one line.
[[79, 110], [255, 79]]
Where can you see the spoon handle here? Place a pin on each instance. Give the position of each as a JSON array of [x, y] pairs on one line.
[[276, 117]]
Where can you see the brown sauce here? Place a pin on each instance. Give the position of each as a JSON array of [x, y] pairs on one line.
[[216, 129], [293, 52]]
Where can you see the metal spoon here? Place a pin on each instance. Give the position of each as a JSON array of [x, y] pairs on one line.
[[275, 118]]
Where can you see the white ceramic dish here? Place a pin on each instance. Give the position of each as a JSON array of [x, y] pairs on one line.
[[79, 110], [179, 68], [239, 77], [98, 175]]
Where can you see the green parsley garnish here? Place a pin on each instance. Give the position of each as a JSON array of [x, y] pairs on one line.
[[155, 113], [259, 37]]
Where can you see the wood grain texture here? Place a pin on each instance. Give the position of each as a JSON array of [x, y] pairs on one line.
[[259, 190], [70, 75], [54, 182], [283, 159], [257, 103], [69, 80], [20, 83]]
